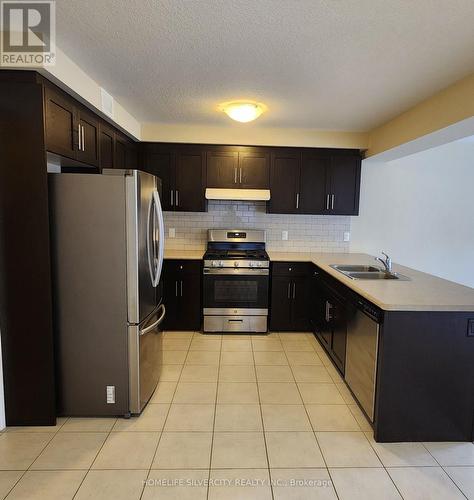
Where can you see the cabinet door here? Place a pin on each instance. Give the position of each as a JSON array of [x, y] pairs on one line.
[[222, 169], [120, 153], [161, 164], [300, 303], [339, 333], [61, 131], [131, 155], [284, 182], [189, 192], [88, 151], [317, 303], [189, 302], [280, 314], [170, 299], [344, 185], [313, 185], [254, 170], [106, 146]]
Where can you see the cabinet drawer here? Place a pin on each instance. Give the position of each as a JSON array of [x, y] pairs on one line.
[[182, 266], [291, 268]]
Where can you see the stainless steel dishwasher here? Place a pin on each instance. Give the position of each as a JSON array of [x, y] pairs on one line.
[[361, 354]]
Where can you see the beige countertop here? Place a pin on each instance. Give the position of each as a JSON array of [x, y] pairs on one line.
[[424, 292], [184, 254]]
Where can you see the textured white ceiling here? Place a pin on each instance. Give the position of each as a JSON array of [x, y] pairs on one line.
[[328, 64]]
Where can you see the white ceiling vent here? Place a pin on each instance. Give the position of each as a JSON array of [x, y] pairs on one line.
[[107, 103]]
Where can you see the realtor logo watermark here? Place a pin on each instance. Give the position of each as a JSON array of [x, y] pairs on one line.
[[28, 33]]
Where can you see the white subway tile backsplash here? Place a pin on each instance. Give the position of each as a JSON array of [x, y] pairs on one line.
[[306, 233]]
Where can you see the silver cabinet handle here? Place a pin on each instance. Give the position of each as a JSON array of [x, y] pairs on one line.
[[181, 288], [79, 137], [83, 139], [297, 200], [294, 290], [176, 288], [172, 198], [329, 306], [327, 202], [240, 175], [289, 289], [235, 175], [177, 199], [333, 196]]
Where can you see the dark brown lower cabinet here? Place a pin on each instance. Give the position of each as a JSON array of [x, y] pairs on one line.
[[290, 293], [182, 294]]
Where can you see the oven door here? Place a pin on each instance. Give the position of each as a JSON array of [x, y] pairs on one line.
[[233, 291]]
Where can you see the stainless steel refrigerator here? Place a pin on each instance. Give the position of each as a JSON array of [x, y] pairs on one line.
[[107, 245]]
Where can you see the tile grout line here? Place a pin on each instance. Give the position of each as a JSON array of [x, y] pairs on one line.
[[166, 418], [310, 423], [261, 417]]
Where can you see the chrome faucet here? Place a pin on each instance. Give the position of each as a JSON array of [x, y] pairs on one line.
[[387, 262]]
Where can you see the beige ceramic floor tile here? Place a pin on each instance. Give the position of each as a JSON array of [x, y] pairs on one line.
[[206, 344], [178, 335], [70, 450], [112, 484], [363, 484], [452, 454], [422, 483], [266, 344], [170, 373], [198, 373], [127, 450], [88, 425], [236, 484], [292, 336], [47, 485], [331, 418], [270, 358], [174, 357], [164, 392], [238, 450], [312, 374], [152, 419], [183, 450], [302, 484], [274, 374], [203, 358], [346, 394], [190, 418], [238, 418], [279, 393], [237, 358], [8, 479], [334, 374], [237, 374], [297, 358], [232, 344], [285, 418], [195, 392], [19, 450], [347, 449], [60, 421], [176, 344], [237, 392], [293, 449], [401, 454], [322, 394], [362, 420], [297, 345], [464, 478], [174, 485]]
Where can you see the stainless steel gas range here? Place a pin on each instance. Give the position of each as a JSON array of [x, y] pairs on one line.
[[236, 281]]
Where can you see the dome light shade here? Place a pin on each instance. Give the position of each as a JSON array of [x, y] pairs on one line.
[[243, 111]]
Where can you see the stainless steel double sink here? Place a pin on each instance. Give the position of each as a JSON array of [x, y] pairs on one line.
[[362, 272]]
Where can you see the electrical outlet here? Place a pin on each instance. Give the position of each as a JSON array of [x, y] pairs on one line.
[[172, 232], [284, 235], [110, 394], [347, 236]]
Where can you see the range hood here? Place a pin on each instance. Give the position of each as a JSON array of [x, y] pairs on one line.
[[238, 194]]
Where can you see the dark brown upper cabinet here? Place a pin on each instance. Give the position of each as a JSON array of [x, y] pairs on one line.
[[182, 172], [320, 182], [246, 168], [106, 146], [88, 138]]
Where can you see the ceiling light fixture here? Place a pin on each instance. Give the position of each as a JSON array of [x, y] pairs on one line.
[[243, 111]]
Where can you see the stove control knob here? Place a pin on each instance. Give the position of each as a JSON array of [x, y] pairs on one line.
[[252, 264], [221, 264], [236, 264]]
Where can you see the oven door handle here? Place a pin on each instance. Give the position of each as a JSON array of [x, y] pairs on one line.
[[236, 271]]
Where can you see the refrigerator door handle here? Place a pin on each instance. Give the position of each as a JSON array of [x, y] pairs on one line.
[[161, 234], [156, 323]]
